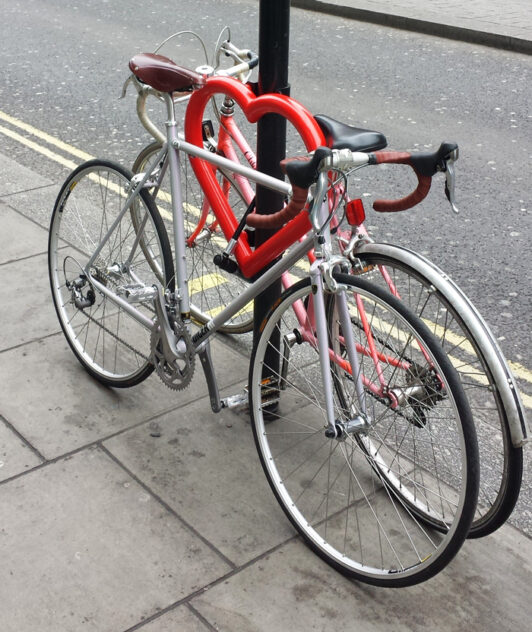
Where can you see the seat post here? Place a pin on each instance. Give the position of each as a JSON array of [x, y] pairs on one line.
[[170, 110], [177, 209]]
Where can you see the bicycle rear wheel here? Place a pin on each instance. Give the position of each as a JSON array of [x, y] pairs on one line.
[[333, 490], [112, 346], [211, 288], [463, 335]]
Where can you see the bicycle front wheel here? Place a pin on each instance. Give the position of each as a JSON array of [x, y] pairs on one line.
[[360, 500], [111, 345], [210, 287], [431, 296]]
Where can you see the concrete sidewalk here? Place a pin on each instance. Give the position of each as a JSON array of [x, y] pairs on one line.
[[506, 25], [115, 515]]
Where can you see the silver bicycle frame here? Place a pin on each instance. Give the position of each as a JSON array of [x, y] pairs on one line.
[[173, 145], [200, 339]]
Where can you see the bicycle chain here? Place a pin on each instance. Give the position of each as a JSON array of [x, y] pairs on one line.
[[190, 362], [171, 376], [116, 336], [105, 279]]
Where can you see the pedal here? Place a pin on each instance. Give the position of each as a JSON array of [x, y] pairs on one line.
[[137, 293], [269, 391], [269, 396], [225, 263], [240, 400]]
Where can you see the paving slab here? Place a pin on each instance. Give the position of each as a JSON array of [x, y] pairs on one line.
[[15, 177], [179, 620], [84, 547], [65, 409], [37, 204], [206, 467], [26, 308], [506, 26], [15, 455], [18, 237], [485, 589]]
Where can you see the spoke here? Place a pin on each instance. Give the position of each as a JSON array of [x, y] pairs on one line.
[[293, 471], [296, 445], [89, 208], [374, 513]]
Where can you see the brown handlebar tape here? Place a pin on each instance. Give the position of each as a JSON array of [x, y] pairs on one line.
[[276, 220], [420, 193]]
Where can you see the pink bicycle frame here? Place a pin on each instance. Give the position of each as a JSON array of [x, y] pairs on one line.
[[251, 262]]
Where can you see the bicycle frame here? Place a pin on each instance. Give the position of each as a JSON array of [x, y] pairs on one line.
[[205, 163], [250, 261], [283, 240], [339, 366], [229, 132], [226, 161]]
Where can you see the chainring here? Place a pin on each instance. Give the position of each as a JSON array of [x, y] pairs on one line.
[[175, 374]]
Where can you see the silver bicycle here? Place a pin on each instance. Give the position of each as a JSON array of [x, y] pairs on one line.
[[360, 420]]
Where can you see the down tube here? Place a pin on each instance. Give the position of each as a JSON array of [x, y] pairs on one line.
[[290, 258]]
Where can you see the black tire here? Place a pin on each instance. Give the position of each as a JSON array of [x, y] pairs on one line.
[[112, 346], [211, 287], [361, 525]]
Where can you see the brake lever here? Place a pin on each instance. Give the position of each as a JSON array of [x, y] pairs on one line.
[[450, 180], [125, 86], [139, 87]]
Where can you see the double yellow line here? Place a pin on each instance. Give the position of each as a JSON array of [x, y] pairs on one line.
[[519, 370], [43, 136]]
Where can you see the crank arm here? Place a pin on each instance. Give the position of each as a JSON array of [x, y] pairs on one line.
[[167, 335]]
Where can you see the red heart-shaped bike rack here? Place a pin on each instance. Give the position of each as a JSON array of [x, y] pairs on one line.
[[253, 107]]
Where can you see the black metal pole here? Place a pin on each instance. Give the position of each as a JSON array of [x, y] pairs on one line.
[[274, 28]]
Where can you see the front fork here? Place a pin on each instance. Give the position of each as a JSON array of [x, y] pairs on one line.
[[336, 428]]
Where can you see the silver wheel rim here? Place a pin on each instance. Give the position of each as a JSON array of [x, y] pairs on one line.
[[362, 568]]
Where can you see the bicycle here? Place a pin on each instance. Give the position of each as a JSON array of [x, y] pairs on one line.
[[361, 423], [492, 392]]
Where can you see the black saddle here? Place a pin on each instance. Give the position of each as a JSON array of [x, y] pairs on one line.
[[341, 136]]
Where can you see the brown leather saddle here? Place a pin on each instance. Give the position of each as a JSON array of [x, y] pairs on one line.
[[164, 75]]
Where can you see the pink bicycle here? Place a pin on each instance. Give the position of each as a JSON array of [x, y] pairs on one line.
[[424, 288]]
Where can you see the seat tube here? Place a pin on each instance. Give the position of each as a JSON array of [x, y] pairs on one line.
[[177, 210]]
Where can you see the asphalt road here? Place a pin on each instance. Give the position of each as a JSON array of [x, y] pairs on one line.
[[63, 65]]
